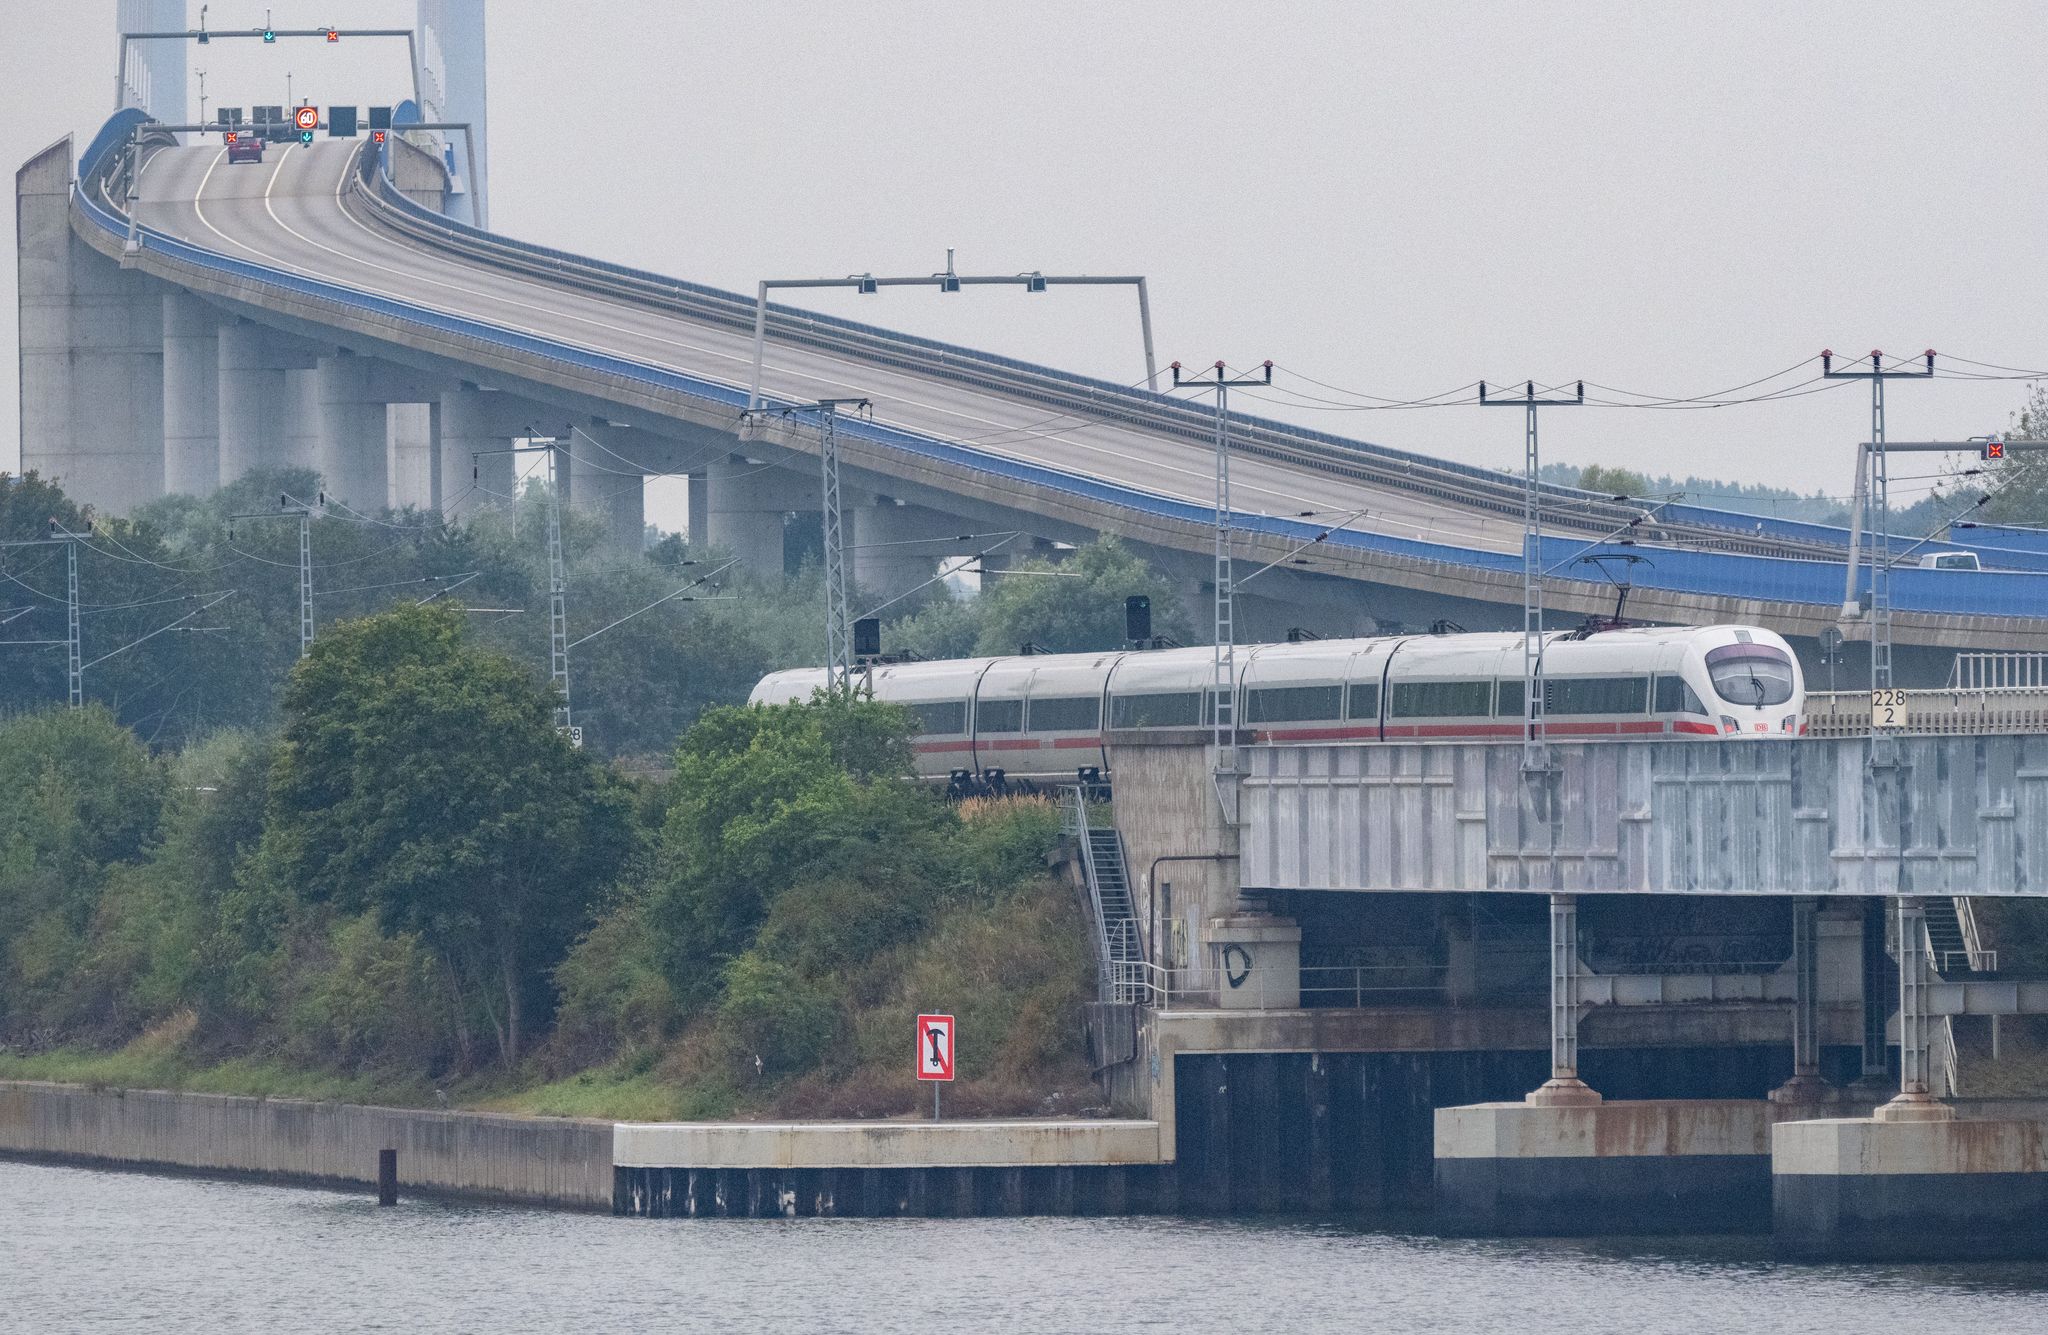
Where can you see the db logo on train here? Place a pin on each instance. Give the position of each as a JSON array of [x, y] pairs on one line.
[[935, 1047]]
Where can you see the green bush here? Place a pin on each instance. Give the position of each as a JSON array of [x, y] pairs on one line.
[[772, 1012]]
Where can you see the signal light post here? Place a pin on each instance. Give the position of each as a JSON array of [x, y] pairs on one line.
[[947, 281]]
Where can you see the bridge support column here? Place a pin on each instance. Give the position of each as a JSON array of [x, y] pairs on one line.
[[603, 483], [471, 476], [1874, 1081], [415, 463], [699, 500], [897, 547], [191, 395], [1916, 1101], [259, 400], [746, 509], [1564, 1086], [92, 352], [1806, 1085], [351, 457], [302, 419]]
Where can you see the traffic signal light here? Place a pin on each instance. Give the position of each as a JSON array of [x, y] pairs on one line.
[[269, 34], [305, 136], [333, 36], [1994, 449]]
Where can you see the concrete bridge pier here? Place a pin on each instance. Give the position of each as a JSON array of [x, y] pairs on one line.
[[351, 457], [259, 414], [191, 395], [1565, 1162], [474, 429], [415, 460], [607, 480], [302, 418], [896, 547], [92, 395], [747, 506]]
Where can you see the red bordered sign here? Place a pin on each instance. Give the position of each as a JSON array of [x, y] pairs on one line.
[[307, 118], [935, 1047]]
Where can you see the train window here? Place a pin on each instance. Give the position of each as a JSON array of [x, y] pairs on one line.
[[1751, 674], [1067, 713], [1595, 695], [1292, 704], [1509, 703], [1365, 700], [1675, 696], [1180, 709], [999, 716], [940, 717], [1441, 699]]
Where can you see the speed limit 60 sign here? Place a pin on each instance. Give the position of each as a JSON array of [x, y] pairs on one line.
[[935, 1047], [307, 118]]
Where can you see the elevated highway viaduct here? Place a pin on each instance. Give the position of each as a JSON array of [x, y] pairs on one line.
[[315, 309]]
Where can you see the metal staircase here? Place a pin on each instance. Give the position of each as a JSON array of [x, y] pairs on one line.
[[1119, 951]]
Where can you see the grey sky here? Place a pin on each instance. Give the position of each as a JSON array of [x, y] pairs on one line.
[[1393, 198]]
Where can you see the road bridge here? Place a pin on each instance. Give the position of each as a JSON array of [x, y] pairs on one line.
[[316, 309]]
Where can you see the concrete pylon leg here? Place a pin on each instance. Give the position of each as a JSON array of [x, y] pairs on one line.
[[302, 420], [256, 402], [604, 484], [473, 476], [746, 509], [410, 429], [352, 456], [92, 351], [1564, 1085], [699, 502], [191, 395], [898, 547]]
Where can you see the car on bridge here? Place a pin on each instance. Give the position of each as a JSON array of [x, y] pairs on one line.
[[1950, 561], [246, 148]]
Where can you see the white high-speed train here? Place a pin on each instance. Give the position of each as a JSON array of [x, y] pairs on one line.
[[1040, 717]]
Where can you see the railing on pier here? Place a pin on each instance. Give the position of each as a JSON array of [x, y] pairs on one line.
[[1999, 672], [1947, 711]]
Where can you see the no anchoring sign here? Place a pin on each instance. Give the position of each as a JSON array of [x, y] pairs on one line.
[[935, 1047]]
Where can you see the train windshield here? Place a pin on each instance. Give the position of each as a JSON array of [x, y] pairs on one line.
[[1751, 674]]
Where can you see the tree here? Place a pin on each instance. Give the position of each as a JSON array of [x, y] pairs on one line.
[[1076, 605], [1613, 481], [2018, 484], [421, 776], [79, 796], [766, 798]]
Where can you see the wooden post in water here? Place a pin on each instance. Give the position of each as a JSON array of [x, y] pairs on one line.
[[387, 1177]]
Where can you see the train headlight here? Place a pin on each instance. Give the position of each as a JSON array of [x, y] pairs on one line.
[[1729, 724]]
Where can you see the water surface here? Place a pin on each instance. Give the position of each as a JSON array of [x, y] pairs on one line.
[[88, 1250]]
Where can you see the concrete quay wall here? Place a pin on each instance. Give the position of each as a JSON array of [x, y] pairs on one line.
[[559, 1162]]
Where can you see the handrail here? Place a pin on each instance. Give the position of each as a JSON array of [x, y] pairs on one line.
[[1074, 824], [1379, 464], [1696, 573]]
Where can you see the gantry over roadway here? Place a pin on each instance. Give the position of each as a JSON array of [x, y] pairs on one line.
[[308, 302]]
